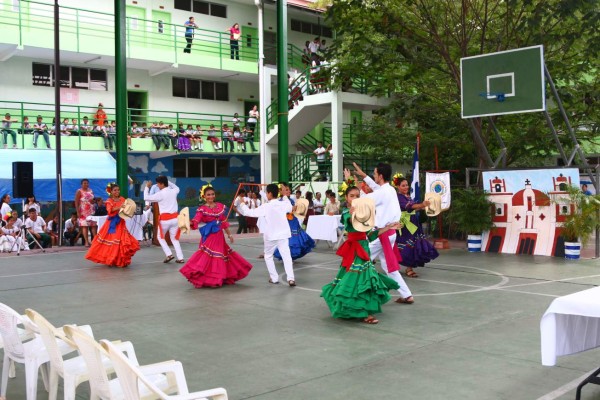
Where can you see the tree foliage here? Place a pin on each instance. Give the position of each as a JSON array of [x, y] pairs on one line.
[[413, 48]]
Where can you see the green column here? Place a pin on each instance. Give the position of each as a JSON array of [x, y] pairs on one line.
[[121, 96], [282, 92]]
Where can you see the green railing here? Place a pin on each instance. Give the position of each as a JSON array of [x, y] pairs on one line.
[[81, 141], [300, 170]]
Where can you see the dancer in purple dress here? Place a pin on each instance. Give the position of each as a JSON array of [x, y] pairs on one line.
[[414, 247]]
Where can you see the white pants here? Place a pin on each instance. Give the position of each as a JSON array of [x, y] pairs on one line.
[[284, 250], [377, 252], [170, 226]]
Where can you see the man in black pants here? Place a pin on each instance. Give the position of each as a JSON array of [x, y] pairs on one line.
[[242, 225], [190, 25]]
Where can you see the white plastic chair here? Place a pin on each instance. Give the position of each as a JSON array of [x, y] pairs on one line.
[[102, 387], [73, 371], [30, 353], [132, 378], [24, 335]]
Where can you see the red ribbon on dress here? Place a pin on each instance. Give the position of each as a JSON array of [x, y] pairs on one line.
[[167, 217], [392, 255], [351, 248]]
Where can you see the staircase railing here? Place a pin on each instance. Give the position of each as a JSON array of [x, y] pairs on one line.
[[300, 170]]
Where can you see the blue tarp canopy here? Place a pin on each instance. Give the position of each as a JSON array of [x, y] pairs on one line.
[[99, 167]]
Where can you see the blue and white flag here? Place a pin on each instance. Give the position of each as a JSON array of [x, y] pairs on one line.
[[415, 193]]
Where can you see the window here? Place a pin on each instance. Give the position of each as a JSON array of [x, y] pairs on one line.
[[202, 7], [197, 89], [200, 167], [310, 28], [70, 77]]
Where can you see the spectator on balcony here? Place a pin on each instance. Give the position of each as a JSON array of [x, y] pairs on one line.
[[33, 203], [322, 50], [6, 122], [172, 136], [132, 133], [253, 117], [86, 128], [63, 127], [248, 135], [306, 53], [144, 130], [236, 121], [52, 130], [239, 139], [227, 138], [100, 115], [314, 49], [156, 139], [212, 136], [73, 128], [40, 128], [109, 134], [318, 204], [36, 228], [321, 154], [26, 126], [185, 140], [234, 40], [101, 130], [197, 142], [190, 27]]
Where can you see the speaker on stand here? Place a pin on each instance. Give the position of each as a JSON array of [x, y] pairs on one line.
[[22, 179]]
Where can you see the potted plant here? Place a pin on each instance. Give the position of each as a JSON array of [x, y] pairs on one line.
[[471, 215], [582, 213]]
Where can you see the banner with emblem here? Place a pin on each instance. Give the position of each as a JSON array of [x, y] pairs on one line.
[[439, 183]]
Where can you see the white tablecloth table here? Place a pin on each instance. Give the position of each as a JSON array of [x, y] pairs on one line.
[[571, 325], [323, 227], [134, 225]]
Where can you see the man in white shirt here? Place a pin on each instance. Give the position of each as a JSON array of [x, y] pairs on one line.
[[168, 208], [318, 204], [36, 228], [387, 211], [241, 198], [278, 232], [321, 153], [71, 231]]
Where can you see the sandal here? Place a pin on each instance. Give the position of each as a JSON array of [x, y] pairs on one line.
[[292, 283], [271, 281], [169, 259], [412, 274], [371, 320], [180, 261], [408, 300]]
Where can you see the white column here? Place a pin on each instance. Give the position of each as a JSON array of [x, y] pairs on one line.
[[337, 130], [262, 104]]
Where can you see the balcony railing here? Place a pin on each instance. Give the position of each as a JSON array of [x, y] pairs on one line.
[[82, 139]]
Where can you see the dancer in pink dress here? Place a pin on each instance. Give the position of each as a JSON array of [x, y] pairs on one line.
[[215, 263]]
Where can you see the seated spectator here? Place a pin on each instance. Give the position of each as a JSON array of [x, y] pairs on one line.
[[249, 137], [100, 208], [318, 204], [52, 129], [40, 128], [10, 238], [63, 128], [101, 130], [86, 128], [236, 121], [162, 135], [185, 139], [212, 136], [239, 139], [36, 229], [197, 142], [131, 133], [110, 134], [73, 128], [26, 127], [333, 206], [6, 123], [72, 230], [145, 131], [172, 135], [227, 137], [148, 229], [52, 230]]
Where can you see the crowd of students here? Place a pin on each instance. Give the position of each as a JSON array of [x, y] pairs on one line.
[[184, 137]]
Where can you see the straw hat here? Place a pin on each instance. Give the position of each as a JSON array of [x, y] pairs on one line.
[[363, 219], [301, 208], [183, 220], [435, 204], [127, 210]]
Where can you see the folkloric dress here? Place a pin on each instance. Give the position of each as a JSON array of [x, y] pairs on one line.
[[358, 290], [113, 245], [300, 243], [214, 263], [414, 247]]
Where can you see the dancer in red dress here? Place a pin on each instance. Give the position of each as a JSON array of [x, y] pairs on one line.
[[113, 245], [214, 264]]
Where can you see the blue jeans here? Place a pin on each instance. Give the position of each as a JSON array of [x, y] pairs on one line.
[[109, 141], [6, 132], [46, 138]]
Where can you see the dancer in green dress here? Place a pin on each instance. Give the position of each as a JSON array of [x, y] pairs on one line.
[[358, 290]]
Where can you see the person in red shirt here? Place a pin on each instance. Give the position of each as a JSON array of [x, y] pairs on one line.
[[100, 115], [234, 40]]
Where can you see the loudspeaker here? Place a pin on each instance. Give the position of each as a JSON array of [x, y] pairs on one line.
[[22, 179]]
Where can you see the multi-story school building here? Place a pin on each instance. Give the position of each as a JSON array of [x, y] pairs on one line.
[[167, 85]]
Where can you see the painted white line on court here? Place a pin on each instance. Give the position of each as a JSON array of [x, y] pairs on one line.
[[552, 281], [567, 387]]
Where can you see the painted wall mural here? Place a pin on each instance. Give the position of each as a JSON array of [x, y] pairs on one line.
[[526, 220]]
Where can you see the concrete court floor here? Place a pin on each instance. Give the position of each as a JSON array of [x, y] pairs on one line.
[[473, 332]]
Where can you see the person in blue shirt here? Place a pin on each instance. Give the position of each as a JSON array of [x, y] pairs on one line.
[[585, 190], [190, 25]]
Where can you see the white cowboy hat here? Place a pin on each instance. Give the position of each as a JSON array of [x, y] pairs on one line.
[[301, 208], [435, 204], [127, 210], [183, 220], [363, 218]]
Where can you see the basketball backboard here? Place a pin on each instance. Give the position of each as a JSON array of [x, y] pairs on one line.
[[506, 82]]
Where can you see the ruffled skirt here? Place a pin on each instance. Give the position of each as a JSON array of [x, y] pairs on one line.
[[300, 243], [113, 249]]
